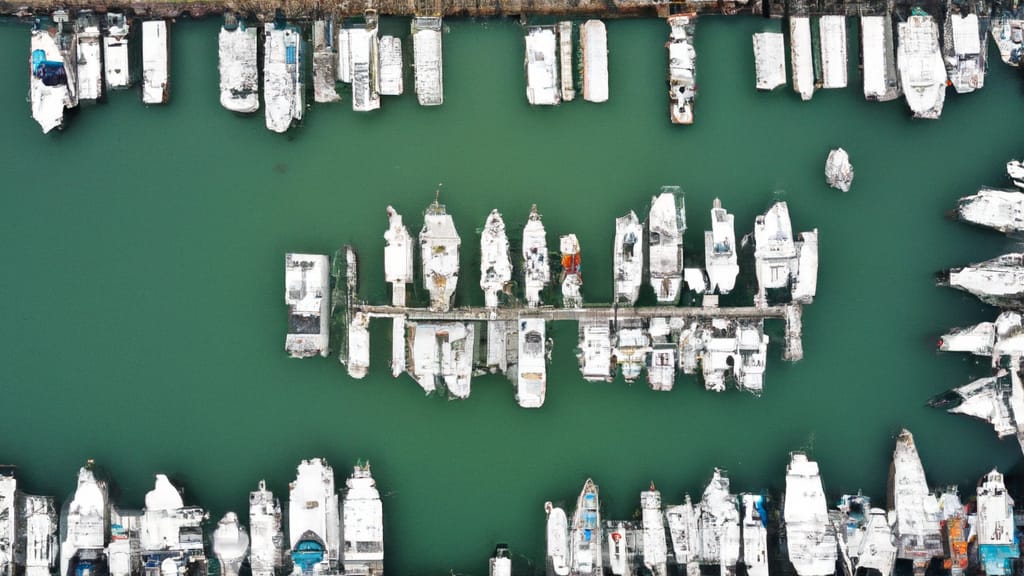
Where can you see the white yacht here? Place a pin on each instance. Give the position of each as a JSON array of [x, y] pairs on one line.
[[1008, 34], [90, 61], [718, 525], [654, 541], [230, 544], [1003, 337], [995, 527], [531, 380], [682, 68], [665, 227], [628, 259], [541, 64], [314, 525], [115, 51], [443, 353], [267, 542], [123, 553], [307, 294], [358, 358], [922, 71], [557, 541], [810, 535], [917, 525], [595, 350], [238, 66], [398, 258], [364, 53], [52, 71], [877, 550], [964, 50], [362, 525], [594, 46], [720, 250], [500, 563], [838, 170], [661, 361], [752, 349], [85, 527], [618, 536], [536, 266], [774, 250], [495, 264], [155, 56], [171, 534], [999, 281], [283, 85], [1001, 210], [572, 278], [755, 535], [427, 60], [39, 530], [585, 533], [998, 400], [439, 252], [684, 534]]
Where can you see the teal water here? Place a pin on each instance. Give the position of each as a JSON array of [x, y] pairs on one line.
[[142, 286]]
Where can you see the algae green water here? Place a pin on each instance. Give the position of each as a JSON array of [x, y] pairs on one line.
[[142, 285]]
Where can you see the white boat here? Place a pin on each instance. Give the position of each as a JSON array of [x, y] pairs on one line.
[[999, 281], [40, 535], [632, 344], [362, 525], [965, 50], [398, 257], [531, 381], [774, 249], [363, 50], [536, 266], [237, 63], [170, 533], [500, 563], [565, 61], [154, 62], [325, 61], [283, 86], [8, 521], [832, 31], [1015, 170], [682, 68], [442, 353], [838, 171], [769, 60], [358, 358], [391, 66], [661, 361], [720, 251], [502, 347], [314, 524], [654, 541], [1008, 34], [718, 525], [594, 44], [572, 277], [52, 84], [805, 286], [541, 63], [230, 544], [307, 294], [585, 533], [665, 227], [881, 82], [755, 535], [917, 526], [618, 534], [995, 527], [123, 553], [495, 263], [922, 71], [628, 258], [267, 541], [115, 51], [810, 535], [1001, 210], [1003, 337], [684, 534], [344, 55], [85, 527], [752, 350], [439, 252], [557, 541], [801, 56], [998, 400], [877, 547], [90, 61], [427, 60], [595, 351]]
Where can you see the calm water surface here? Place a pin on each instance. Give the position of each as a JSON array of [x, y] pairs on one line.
[[142, 300]]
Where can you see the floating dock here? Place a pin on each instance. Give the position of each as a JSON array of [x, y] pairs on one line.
[[427, 60], [832, 30], [565, 59], [391, 66], [769, 60]]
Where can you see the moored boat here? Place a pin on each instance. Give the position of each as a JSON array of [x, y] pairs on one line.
[[572, 277], [52, 71], [362, 525], [655, 550], [398, 257], [85, 527], [755, 535], [155, 76], [531, 381], [267, 540], [995, 528], [720, 251], [585, 533], [427, 60], [964, 49], [495, 264], [682, 68], [666, 225], [557, 541], [1001, 210], [116, 72], [917, 525], [541, 62], [628, 257], [230, 544], [90, 61], [314, 525], [237, 64], [922, 71], [999, 281], [307, 294], [810, 535], [536, 266], [439, 253], [283, 85], [594, 45]]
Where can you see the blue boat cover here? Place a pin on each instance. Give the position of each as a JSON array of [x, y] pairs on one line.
[[998, 558]]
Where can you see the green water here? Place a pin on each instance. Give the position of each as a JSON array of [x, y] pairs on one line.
[[142, 287]]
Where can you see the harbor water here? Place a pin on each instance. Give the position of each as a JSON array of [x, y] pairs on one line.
[[143, 315]]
